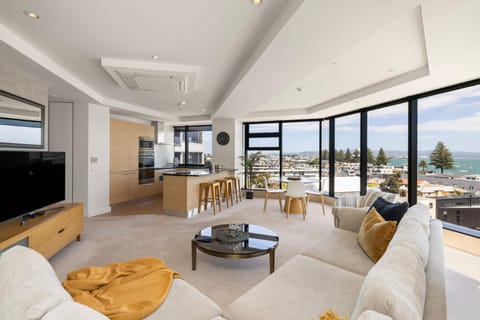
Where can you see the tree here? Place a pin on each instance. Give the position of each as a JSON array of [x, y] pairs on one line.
[[393, 183], [423, 165], [324, 154], [348, 155], [356, 155], [370, 156], [441, 158], [315, 162], [339, 155], [381, 157]]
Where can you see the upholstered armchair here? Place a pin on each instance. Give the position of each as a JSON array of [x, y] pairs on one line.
[[354, 208]]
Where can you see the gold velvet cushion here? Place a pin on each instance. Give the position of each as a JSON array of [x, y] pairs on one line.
[[331, 315], [375, 234]]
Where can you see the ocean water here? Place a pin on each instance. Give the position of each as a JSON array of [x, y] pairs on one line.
[[462, 166]]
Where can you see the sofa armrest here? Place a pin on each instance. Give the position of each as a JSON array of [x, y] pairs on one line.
[[349, 218], [348, 201]]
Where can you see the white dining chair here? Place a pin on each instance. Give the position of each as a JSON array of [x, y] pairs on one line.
[[269, 191], [313, 192], [296, 191]]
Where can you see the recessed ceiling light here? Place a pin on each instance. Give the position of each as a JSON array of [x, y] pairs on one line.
[[257, 2], [204, 110], [32, 15], [154, 57]]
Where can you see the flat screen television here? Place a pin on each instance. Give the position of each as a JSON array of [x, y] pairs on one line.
[[31, 180]]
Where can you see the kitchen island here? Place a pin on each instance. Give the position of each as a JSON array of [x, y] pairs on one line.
[[181, 189]]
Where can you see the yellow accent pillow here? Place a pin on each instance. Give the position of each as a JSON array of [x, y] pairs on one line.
[[331, 315], [375, 234]]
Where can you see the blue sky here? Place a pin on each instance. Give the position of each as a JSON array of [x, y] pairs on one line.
[[453, 118]]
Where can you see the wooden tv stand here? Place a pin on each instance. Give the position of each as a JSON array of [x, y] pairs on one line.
[[47, 233]]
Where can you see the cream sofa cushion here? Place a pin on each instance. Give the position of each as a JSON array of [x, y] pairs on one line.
[[73, 311], [413, 231], [369, 198], [395, 286], [185, 302], [303, 288], [373, 315], [340, 248], [29, 287]]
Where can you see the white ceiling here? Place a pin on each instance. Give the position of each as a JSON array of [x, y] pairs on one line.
[[281, 59]]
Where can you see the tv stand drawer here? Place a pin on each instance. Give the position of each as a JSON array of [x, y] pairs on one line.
[[48, 233], [54, 234]]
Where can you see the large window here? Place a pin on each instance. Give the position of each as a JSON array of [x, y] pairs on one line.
[[301, 151], [193, 144], [449, 157], [263, 148], [347, 155], [387, 152], [423, 148]]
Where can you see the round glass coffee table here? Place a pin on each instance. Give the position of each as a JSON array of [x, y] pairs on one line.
[[251, 241]]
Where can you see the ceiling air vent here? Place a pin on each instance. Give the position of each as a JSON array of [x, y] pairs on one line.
[[152, 76], [154, 82]]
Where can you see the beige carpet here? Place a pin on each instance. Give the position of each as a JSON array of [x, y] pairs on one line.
[[118, 238], [142, 230]]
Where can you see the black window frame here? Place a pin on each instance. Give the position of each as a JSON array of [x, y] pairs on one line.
[[411, 101], [186, 130]]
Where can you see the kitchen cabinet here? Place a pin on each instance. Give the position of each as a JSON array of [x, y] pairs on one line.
[[124, 138]]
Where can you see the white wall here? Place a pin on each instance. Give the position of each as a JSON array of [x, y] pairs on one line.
[[91, 157], [80, 154], [61, 139], [228, 155], [98, 159]]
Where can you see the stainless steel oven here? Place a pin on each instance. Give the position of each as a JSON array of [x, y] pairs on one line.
[[146, 175], [146, 161], [145, 143]]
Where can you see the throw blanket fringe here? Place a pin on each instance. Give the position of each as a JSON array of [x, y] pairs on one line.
[[122, 291]]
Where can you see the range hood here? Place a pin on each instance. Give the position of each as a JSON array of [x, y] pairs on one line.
[[159, 131]]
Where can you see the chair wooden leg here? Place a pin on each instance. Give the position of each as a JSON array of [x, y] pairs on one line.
[[214, 191], [323, 203], [308, 197], [265, 202], [200, 199], [280, 201], [287, 206], [304, 207], [219, 201]]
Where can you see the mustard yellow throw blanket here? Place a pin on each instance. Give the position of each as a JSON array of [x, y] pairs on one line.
[[122, 291]]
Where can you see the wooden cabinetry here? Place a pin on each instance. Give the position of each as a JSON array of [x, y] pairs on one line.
[[46, 234], [124, 138]]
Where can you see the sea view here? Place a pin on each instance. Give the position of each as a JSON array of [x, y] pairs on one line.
[[462, 166]]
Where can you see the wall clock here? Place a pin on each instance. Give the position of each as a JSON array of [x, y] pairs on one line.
[[223, 138]]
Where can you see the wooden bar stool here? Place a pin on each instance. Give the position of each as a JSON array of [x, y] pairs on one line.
[[236, 187], [226, 187], [209, 192]]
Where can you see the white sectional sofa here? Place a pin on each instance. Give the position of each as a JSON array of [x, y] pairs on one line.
[[408, 282], [30, 289]]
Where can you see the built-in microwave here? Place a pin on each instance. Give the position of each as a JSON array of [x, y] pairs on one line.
[[145, 143]]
